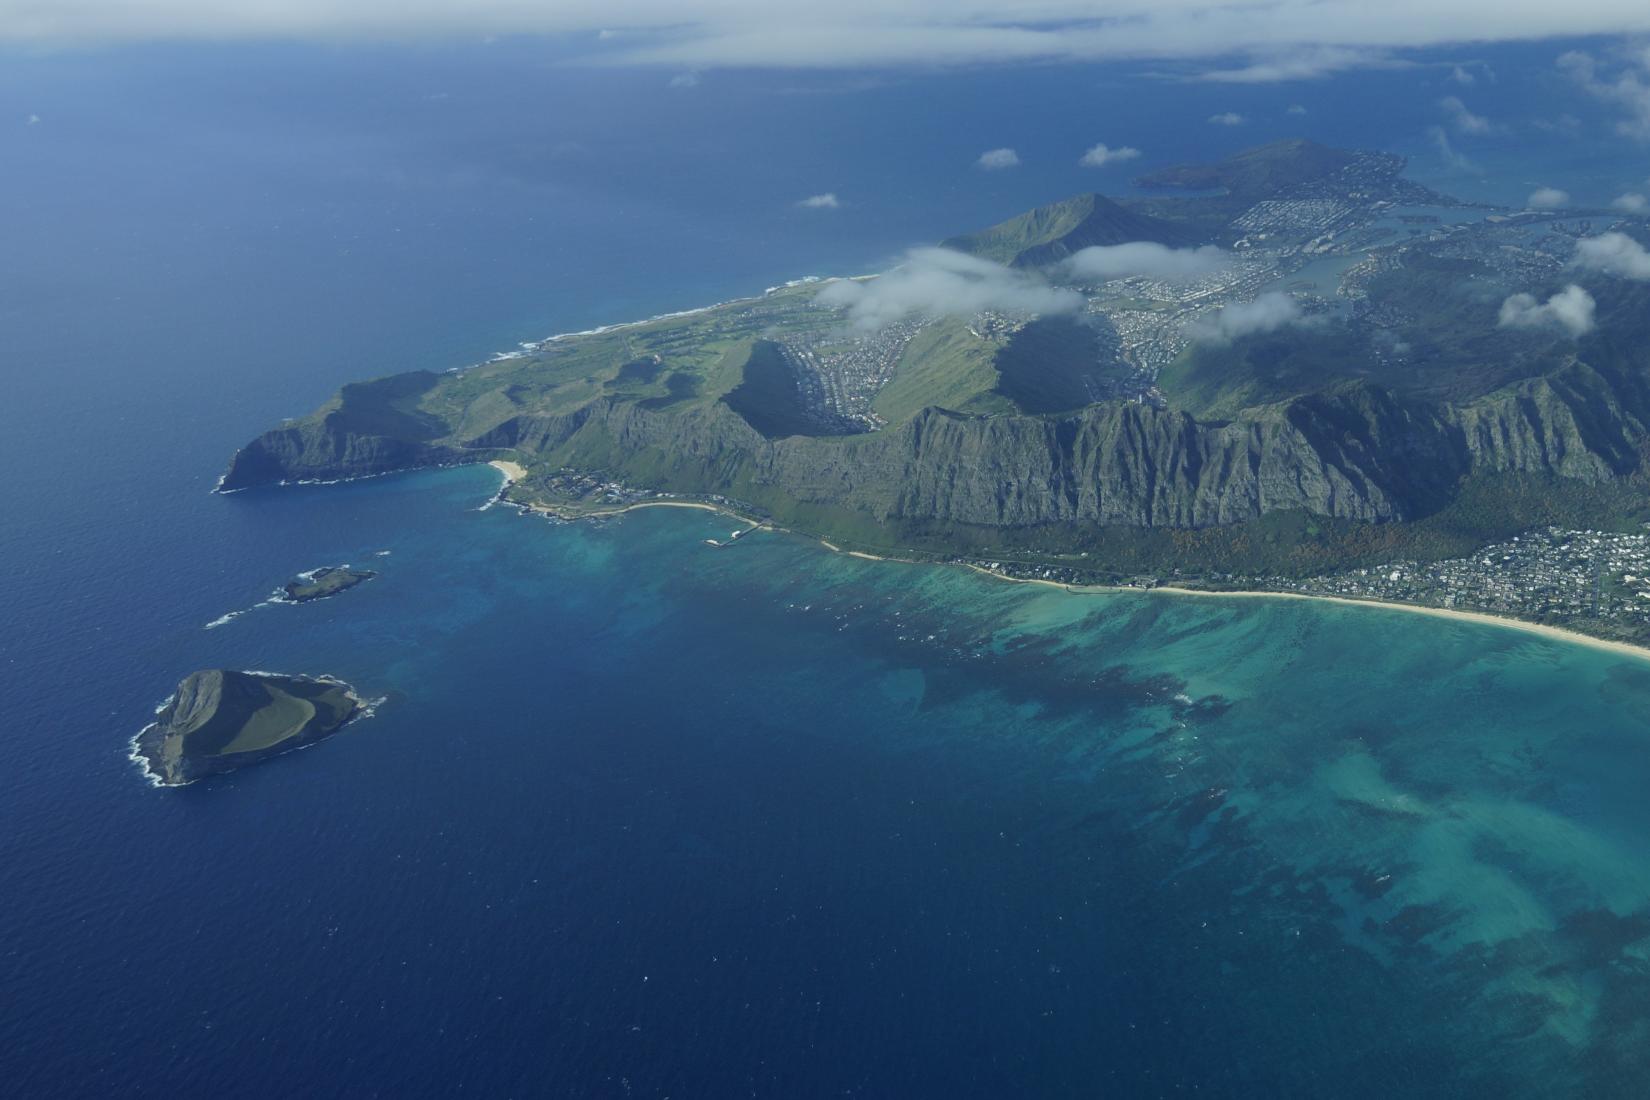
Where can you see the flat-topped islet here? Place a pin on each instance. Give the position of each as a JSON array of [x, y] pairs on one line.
[[328, 580]]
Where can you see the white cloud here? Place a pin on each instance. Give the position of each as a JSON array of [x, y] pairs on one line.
[[1548, 198], [32, 120], [827, 201], [1625, 83], [1267, 313], [940, 281], [1147, 258], [1101, 155], [1308, 63], [1446, 149], [1614, 254], [1631, 203], [1462, 77], [1565, 124], [1228, 118], [685, 80], [997, 159], [1571, 310], [1464, 121], [1295, 109], [1279, 35]]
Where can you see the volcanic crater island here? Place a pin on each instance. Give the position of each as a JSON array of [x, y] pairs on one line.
[[219, 720], [1322, 379]]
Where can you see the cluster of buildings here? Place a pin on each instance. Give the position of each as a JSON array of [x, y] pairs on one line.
[[1598, 581], [840, 374], [577, 487], [1551, 574]]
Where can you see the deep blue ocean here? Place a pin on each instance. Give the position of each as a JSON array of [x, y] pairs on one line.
[[643, 818]]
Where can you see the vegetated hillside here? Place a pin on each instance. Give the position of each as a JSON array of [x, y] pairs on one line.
[[945, 366], [1051, 233], [1046, 365], [1409, 411], [1259, 172], [1357, 453], [1438, 339]]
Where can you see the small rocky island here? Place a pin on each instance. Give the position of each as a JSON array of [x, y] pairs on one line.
[[318, 584], [220, 720]]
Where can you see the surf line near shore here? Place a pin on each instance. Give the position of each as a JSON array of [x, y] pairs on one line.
[[513, 472], [1552, 633]]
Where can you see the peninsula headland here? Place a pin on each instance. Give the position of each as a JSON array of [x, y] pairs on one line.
[[1309, 381]]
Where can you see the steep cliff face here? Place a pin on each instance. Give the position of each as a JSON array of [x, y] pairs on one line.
[[321, 451], [369, 428], [1577, 423], [1359, 453]]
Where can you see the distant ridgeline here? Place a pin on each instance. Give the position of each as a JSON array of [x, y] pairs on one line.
[[1389, 410]]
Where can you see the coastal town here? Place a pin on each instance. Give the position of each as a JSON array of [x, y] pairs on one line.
[[1591, 581], [1326, 244], [1594, 582], [1550, 574]]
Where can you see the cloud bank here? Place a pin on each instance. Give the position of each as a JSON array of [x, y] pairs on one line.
[[1446, 149], [1145, 258], [939, 281], [1623, 80], [1614, 254], [1101, 155], [1462, 118], [1282, 39], [1267, 313], [1305, 63], [1570, 310], [995, 160]]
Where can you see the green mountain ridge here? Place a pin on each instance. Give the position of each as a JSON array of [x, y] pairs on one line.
[[999, 432], [1050, 233], [1262, 171]]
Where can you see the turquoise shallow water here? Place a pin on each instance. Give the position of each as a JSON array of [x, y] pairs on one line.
[[640, 818], [643, 817]]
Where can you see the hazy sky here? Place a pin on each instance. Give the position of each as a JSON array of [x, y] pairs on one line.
[[1242, 41]]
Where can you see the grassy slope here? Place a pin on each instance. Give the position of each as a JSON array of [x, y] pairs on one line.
[[1042, 367], [944, 365], [256, 714], [1215, 380], [1006, 240], [698, 360]]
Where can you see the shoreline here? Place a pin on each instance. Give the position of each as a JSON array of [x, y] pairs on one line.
[[362, 709], [528, 347], [512, 471], [1482, 618]]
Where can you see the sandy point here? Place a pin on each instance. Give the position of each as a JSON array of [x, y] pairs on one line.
[[512, 471]]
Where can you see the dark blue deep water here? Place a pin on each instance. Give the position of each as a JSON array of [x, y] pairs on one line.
[[642, 818]]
